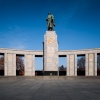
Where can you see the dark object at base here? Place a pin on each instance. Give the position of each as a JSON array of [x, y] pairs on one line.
[[81, 72], [46, 73], [38, 73], [19, 73], [62, 73], [98, 72], [1, 72], [50, 73]]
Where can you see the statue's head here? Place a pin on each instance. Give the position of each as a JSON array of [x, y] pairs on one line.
[[49, 13]]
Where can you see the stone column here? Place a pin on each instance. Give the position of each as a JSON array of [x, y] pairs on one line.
[[5, 64], [95, 64], [86, 65], [11, 65], [91, 64], [50, 51], [72, 65], [14, 64], [68, 68], [29, 65], [75, 64]]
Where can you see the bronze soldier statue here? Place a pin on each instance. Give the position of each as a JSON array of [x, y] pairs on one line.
[[50, 22]]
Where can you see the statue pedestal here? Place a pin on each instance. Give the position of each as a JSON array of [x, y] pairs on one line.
[[50, 53]]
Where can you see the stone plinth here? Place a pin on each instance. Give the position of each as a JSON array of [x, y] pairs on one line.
[[50, 51]]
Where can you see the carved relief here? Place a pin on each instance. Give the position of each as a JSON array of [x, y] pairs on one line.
[[50, 40]]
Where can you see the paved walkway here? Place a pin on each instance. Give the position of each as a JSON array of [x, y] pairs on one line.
[[49, 89]]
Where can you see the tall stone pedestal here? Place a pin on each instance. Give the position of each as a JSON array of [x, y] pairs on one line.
[[50, 53]]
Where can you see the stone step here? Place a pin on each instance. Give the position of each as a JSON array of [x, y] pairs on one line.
[[49, 77]]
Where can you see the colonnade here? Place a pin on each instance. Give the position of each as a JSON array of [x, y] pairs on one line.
[[90, 64], [10, 63]]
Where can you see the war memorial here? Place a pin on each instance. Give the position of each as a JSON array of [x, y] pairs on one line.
[[50, 86], [50, 56]]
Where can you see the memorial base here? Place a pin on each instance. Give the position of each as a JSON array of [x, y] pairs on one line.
[[50, 73]]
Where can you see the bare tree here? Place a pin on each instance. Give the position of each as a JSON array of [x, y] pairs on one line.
[[81, 63], [98, 62], [19, 63], [62, 68], [1, 63]]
